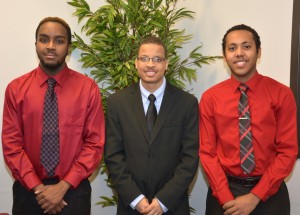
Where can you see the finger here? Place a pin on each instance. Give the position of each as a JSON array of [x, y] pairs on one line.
[[52, 212], [44, 206], [231, 211], [58, 209], [49, 209], [41, 202], [61, 205], [39, 197], [38, 192], [64, 202]]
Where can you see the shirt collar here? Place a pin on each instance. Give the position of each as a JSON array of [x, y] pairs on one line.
[[252, 83], [59, 78], [158, 93]]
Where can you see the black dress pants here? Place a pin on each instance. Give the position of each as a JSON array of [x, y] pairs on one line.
[[79, 200], [278, 204]]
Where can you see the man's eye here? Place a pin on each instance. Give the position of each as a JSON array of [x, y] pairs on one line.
[[60, 42], [144, 59], [231, 48], [157, 59], [43, 40]]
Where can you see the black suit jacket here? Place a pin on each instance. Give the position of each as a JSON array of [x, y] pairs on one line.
[[160, 166]]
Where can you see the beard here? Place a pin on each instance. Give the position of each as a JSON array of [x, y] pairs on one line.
[[52, 66]]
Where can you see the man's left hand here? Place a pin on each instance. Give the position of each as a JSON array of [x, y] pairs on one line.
[[153, 209], [242, 205], [51, 196]]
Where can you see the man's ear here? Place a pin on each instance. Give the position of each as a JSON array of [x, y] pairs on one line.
[[259, 53], [135, 63], [224, 58], [69, 49]]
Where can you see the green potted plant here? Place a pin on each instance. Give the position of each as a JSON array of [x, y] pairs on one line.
[[115, 31]]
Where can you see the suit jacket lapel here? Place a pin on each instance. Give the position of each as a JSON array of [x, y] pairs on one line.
[[166, 105], [137, 106]]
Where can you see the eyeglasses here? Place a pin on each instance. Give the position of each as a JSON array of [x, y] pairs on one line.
[[154, 59]]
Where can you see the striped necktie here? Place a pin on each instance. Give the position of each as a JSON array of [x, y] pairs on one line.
[[246, 146]]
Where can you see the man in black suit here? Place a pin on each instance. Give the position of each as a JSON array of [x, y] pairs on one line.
[[152, 167]]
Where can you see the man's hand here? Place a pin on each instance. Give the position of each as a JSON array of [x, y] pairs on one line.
[[153, 209], [142, 205], [58, 208], [50, 197], [242, 205]]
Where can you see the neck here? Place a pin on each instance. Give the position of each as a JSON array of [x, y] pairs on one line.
[[52, 71], [151, 87]]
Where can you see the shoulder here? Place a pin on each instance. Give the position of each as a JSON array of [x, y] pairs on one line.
[[270, 82], [180, 93], [279, 93], [21, 80], [74, 79], [274, 87], [80, 77], [217, 89], [123, 94]]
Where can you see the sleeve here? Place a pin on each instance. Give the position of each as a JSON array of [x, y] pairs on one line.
[[286, 148], [136, 201], [174, 190], [93, 140], [13, 142], [114, 154], [208, 152]]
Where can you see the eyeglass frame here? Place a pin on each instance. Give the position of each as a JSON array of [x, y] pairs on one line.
[[154, 59]]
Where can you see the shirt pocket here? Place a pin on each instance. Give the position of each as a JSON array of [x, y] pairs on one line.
[[72, 117]]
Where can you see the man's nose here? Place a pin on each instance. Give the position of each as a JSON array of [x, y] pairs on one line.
[[51, 45]]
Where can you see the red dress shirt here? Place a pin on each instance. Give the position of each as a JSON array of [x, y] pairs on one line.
[[274, 134], [81, 126]]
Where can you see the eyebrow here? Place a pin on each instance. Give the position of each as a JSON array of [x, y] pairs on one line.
[[230, 44], [45, 35]]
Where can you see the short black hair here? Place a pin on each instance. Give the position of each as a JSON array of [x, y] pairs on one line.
[[244, 27], [58, 20], [153, 40]]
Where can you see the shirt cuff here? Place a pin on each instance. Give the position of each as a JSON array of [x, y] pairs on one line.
[[223, 195], [136, 201], [164, 208]]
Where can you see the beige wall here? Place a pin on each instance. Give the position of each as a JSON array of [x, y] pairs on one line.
[[272, 19]]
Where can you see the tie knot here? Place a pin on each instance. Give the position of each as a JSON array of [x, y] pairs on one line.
[[152, 98], [51, 82], [243, 87]]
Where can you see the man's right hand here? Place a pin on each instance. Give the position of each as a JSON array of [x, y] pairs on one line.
[[50, 200], [142, 205], [242, 205]]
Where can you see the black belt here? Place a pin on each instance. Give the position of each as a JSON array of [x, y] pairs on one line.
[[246, 181]]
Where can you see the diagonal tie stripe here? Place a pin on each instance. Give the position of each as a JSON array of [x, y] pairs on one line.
[[50, 134], [245, 134], [246, 146], [248, 154]]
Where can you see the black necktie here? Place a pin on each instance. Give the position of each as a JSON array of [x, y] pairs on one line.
[[151, 113], [246, 146], [50, 136]]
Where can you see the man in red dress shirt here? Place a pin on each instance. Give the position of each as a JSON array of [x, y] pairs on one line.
[[271, 133], [79, 130]]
